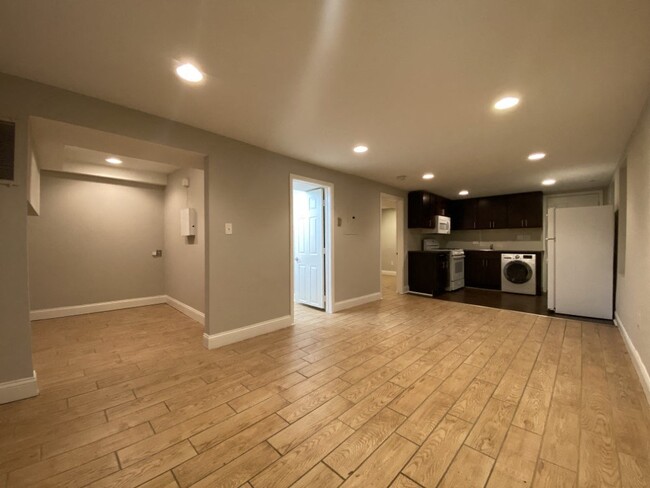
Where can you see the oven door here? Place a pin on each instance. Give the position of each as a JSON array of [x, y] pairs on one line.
[[456, 272]]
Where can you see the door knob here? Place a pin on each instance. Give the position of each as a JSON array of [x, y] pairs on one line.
[[297, 260]]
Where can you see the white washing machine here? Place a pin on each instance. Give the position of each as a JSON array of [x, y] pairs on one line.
[[518, 273]]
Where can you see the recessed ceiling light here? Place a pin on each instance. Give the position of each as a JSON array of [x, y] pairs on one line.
[[360, 149], [114, 160], [506, 103], [189, 72], [427, 176], [548, 182], [463, 193], [536, 156]]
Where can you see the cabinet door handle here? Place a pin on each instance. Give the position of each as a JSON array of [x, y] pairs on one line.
[[526, 222], [522, 222]]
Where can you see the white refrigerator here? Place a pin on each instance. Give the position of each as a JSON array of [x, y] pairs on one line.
[[580, 254]]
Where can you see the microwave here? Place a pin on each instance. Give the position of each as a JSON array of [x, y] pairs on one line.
[[441, 224]]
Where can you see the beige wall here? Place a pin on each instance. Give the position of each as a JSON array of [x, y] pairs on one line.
[[632, 201], [250, 268], [93, 241], [388, 239], [246, 185], [184, 257]]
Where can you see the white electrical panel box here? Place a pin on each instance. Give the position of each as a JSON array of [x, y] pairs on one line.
[[188, 222]]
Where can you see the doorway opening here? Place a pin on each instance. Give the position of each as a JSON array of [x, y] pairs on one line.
[[391, 262], [312, 275], [114, 230]]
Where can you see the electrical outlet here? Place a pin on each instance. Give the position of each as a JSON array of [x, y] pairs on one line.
[[228, 228]]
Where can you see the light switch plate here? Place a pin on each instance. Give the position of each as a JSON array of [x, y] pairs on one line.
[[228, 228]]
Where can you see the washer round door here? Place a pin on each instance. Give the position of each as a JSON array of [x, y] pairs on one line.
[[517, 272]]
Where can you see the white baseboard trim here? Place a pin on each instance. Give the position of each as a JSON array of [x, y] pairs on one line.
[[641, 368], [11, 391], [213, 341], [192, 313], [388, 273], [355, 302], [53, 313]]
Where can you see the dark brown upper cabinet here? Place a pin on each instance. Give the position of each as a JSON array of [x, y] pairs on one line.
[[526, 210], [440, 205], [522, 210], [420, 210], [492, 213], [423, 207], [463, 214]]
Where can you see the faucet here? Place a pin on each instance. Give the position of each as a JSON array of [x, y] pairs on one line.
[[491, 246]]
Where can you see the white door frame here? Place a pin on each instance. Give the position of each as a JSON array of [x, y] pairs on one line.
[[329, 240], [401, 255]]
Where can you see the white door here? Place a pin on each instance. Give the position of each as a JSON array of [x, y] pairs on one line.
[[309, 250]]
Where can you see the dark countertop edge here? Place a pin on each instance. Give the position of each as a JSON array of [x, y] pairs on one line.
[[506, 251]]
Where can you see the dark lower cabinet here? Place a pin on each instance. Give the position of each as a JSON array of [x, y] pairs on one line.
[[428, 272], [483, 269]]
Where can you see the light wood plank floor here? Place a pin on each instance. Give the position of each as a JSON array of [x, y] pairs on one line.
[[407, 392]]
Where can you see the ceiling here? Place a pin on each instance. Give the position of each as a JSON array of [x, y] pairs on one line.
[[414, 81], [70, 148]]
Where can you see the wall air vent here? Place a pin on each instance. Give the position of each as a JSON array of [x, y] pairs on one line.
[[7, 144]]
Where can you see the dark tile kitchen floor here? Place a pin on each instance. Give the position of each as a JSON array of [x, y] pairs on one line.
[[510, 301]]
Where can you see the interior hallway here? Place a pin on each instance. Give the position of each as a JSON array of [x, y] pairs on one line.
[[403, 392]]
